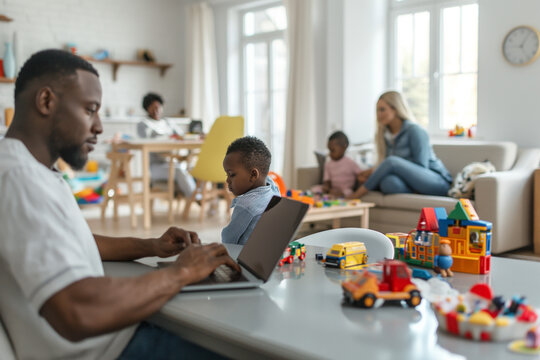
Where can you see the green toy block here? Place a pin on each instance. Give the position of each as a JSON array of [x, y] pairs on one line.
[[458, 213]]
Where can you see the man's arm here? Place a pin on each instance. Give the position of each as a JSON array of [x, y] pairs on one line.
[[95, 306], [170, 243]]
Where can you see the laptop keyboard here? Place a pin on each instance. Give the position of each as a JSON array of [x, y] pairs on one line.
[[224, 274]]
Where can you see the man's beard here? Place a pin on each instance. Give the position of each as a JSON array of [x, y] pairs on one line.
[[74, 156]]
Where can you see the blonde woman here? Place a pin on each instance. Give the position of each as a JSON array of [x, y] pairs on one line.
[[406, 161]]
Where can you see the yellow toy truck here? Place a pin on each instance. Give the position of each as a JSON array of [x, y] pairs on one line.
[[347, 255]]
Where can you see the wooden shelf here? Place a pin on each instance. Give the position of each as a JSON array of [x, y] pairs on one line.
[[116, 64], [6, 80]]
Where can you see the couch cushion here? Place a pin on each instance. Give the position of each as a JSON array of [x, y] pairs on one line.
[[375, 197], [455, 154], [417, 202], [414, 202]]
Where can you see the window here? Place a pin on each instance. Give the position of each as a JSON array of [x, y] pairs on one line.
[[434, 60], [264, 76]]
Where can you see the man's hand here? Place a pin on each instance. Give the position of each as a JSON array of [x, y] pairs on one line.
[[173, 241], [196, 262]]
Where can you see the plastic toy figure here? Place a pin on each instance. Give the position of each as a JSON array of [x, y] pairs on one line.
[[443, 262], [532, 339]]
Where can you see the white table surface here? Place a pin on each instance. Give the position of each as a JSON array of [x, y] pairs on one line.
[[299, 314]]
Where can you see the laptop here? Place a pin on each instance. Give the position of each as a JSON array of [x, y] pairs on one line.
[[275, 229]]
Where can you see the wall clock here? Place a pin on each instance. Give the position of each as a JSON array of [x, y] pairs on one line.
[[521, 46]]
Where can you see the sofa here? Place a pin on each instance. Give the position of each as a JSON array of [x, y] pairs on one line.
[[503, 197]]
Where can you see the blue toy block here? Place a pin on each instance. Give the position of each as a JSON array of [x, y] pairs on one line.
[[421, 274], [487, 224], [440, 213], [443, 226], [488, 243]]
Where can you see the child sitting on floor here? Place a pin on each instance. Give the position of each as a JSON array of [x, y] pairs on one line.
[[247, 163], [340, 171]]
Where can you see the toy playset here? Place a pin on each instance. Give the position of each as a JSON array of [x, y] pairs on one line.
[[87, 187], [396, 284], [459, 131], [461, 234], [295, 248], [478, 315], [309, 197]]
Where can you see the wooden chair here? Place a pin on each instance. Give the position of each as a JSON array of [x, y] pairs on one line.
[[208, 170], [120, 173]]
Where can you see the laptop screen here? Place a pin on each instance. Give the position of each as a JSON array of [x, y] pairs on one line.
[[274, 230]]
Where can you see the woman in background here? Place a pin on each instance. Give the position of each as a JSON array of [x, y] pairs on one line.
[[406, 161], [154, 126]]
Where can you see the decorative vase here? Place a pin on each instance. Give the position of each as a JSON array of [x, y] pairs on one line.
[[9, 62], [17, 51]]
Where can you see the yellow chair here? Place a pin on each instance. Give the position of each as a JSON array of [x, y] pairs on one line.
[[208, 171]]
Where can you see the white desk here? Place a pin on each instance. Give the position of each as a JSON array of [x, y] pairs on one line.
[[299, 314]]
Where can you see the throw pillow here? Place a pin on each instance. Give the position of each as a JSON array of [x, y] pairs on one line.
[[321, 159], [463, 186]]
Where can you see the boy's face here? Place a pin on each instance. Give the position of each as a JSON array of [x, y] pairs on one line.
[[239, 179], [336, 149]]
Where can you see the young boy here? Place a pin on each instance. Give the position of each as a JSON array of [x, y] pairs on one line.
[[247, 163], [340, 171]]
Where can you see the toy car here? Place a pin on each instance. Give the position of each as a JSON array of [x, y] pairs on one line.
[[347, 255], [396, 284], [295, 248]]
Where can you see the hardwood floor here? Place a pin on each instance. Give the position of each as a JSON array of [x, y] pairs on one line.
[[209, 229]]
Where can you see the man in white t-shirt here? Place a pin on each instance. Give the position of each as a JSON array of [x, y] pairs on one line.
[[55, 300]]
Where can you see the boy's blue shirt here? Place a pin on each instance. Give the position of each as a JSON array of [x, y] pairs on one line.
[[248, 208], [412, 143]]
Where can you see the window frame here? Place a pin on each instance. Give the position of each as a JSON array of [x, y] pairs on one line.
[[435, 9], [267, 38]]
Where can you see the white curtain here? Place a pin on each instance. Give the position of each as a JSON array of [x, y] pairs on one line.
[[202, 92], [300, 138]]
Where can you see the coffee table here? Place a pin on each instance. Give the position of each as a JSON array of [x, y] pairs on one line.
[[337, 212]]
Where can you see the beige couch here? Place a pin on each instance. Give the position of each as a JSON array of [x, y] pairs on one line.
[[504, 197]]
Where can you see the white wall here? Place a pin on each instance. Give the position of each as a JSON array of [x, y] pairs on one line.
[[364, 65], [508, 96], [121, 26]]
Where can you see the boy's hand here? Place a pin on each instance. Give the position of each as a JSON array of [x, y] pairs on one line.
[[198, 261], [337, 193], [173, 241], [326, 187], [364, 175]]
